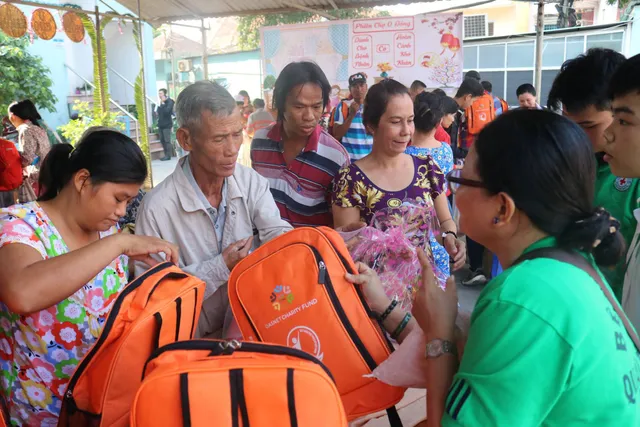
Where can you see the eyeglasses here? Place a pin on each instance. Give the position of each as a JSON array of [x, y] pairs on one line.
[[455, 181]]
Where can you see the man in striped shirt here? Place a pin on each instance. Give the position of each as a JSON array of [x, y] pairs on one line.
[[350, 130], [295, 154]]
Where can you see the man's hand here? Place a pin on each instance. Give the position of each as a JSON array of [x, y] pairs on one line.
[[236, 252], [353, 109]]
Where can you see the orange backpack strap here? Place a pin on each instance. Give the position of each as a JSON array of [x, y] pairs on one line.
[[344, 110]]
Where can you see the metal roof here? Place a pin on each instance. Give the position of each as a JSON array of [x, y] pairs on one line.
[[158, 11]]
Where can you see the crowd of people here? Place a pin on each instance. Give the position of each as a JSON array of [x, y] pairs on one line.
[[545, 345]]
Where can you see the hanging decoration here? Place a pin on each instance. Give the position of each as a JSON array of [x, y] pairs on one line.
[[43, 24], [73, 27], [12, 21]]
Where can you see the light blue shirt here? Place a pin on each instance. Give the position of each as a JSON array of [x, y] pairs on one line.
[[218, 216]]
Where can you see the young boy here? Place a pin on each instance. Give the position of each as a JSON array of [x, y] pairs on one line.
[[581, 91], [623, 155]]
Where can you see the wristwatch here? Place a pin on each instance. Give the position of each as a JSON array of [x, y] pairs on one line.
[[455, 236], [437, 348]]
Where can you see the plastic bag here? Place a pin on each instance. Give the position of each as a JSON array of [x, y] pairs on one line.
[[404, 368], [388, 245]]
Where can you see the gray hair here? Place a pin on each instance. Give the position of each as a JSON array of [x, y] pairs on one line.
[[201, 96]]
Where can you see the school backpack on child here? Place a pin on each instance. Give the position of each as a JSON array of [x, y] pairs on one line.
[[159, 307], [504, 104], [10, 166], [217, 383], [480, 114], [292, 291]]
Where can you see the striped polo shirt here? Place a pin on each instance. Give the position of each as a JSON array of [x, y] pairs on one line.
[[356, 141], [302, 188]]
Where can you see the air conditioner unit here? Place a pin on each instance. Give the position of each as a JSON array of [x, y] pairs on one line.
[[184, 65]]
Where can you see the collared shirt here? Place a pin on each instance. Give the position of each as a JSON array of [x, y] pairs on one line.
[[218, 216], [545, 348], [260, 119], [173, 212], [302, 188], [356, 141]]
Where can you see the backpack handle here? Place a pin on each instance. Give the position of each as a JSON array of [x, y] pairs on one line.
[[145, 291]]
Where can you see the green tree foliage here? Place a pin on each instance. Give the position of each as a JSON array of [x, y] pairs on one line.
[[249, 26], [88, 117], [23, 76]]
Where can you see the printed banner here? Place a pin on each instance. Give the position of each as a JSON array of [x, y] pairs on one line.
[[423, 47]]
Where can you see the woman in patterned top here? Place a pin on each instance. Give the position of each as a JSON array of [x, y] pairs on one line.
[[33, 144], [64, 264], [387, 177], [428, 116]]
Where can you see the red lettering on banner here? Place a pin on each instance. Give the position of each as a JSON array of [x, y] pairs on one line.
[[383, 24], [404, 49], [362, 52]]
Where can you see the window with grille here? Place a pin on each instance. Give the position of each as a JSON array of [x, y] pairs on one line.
[[475, 26]]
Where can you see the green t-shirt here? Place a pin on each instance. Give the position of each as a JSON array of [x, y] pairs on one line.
[[545, 348], [618, 196]]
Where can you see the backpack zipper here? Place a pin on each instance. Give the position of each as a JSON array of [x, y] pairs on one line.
[[325, 280], [71, 405], [227, 348]]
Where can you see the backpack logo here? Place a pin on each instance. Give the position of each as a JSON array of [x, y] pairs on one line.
[[280, 293], [305, 339], [622, 184]]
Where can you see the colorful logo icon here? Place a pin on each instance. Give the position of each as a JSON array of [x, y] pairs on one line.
[[622, 184], [280, 294]]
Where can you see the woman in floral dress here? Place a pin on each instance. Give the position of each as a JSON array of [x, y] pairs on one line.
[[33, 144], [387, 177], [428, 116], [64, 263]]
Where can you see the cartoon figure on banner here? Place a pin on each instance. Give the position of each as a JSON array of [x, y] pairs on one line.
[[430, 59], [334, 97]]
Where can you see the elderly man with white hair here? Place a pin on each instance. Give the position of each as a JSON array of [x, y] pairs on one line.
[[215, 210]]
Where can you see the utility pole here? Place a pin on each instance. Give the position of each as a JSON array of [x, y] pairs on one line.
[[205, 60], [539, 44]]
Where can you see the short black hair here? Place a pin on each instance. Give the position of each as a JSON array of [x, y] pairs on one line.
[[470, 86], [439, 92], [584, 81], [428, 111], [473, 74], [526, 88], [625, 80], [449, 105], [295, 74], [163, 91], [378, 96], [244, 93], [487, 86], [511, 152], [417, 84], [258, 103]]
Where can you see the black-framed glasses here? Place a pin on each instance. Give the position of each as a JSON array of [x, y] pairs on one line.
[[455, 181]]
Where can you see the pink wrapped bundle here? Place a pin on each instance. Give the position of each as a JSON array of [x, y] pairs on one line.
[[389, 245]]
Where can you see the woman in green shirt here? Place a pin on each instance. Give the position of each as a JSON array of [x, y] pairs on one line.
[[545, 346]]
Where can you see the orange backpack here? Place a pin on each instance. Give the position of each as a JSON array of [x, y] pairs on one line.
[[217, 383], [481, 113], [292, 291], [504, 104], [159, 307]]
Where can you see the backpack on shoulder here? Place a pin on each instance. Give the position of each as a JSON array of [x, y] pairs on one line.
[[481, 113], [292, 291], [504, 104], [159, 307], [217, 383]]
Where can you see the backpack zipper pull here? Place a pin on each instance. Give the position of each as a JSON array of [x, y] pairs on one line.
[[322, 273]]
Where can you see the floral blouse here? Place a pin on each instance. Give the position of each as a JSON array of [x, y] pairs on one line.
[[352, 188], [33, 143], [39, 352]]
